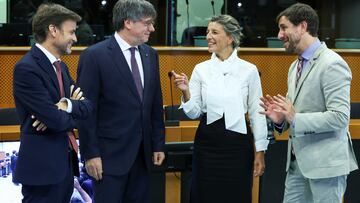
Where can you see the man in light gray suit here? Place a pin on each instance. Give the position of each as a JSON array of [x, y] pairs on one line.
[[316, 111]]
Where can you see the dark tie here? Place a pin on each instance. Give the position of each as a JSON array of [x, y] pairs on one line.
[[71, 135], [57, 65], [136, 73], [299, 69]]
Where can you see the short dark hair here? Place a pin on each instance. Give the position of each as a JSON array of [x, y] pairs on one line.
[[131, 10], [231, 27], [299, 12], [50, 14]]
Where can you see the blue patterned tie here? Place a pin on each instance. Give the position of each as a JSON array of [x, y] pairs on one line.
[[136, 73]]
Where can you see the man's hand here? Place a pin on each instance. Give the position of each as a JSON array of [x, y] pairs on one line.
[[259, 164], [285, 107], [94, 168], [270, 106], [77, 94], [38, 124], [62, 105], [158, 158]]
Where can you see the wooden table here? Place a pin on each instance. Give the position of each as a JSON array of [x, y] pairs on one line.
[[184, 132], [9, 132]]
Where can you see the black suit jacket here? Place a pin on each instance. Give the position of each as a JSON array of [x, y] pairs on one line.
[[43, 156], [121, 121]]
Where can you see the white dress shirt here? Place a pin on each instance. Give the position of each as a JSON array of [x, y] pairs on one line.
[[125, 48], [231, 88]]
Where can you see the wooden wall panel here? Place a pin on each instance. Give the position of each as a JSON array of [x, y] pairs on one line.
[[7, 61], [353, 59], [272, 63], [273, 67]]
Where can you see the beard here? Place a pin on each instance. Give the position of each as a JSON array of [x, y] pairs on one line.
[[68, 50], [292, 45], [65, 49]]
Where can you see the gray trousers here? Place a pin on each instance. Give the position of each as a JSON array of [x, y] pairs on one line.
[[299, 189]]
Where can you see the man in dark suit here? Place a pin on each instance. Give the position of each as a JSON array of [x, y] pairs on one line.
[[47, 108], [121, 77]]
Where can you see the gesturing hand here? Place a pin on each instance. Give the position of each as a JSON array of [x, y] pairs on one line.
[[285, 107], [181, 81], [270, 106]]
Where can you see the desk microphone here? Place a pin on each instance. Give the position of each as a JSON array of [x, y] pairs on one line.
[[171, 121], [170, 74], [213, 7]]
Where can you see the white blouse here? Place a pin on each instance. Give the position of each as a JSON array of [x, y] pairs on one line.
[[231, 88]]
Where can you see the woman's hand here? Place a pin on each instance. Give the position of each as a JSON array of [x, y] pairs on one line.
[[259, 163], [181, 81]]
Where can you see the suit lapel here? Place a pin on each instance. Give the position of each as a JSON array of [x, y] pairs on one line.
[[145, 59], [291, 82], [303, 77], [310, 66], [122, 65], [45, 64]]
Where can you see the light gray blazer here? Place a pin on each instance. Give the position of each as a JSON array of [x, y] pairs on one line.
[[320, 138]]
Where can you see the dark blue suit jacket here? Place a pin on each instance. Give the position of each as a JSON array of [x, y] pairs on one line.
[[43, 156], [121, 121]]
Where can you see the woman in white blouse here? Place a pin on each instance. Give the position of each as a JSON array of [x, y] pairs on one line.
[[221, 91]]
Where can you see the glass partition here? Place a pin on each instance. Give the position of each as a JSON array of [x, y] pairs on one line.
[[183, 22]]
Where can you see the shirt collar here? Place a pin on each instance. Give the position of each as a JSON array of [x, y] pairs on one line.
[[49, 55], [230, 59], [226, 66], [122, 43], [309, 52]]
